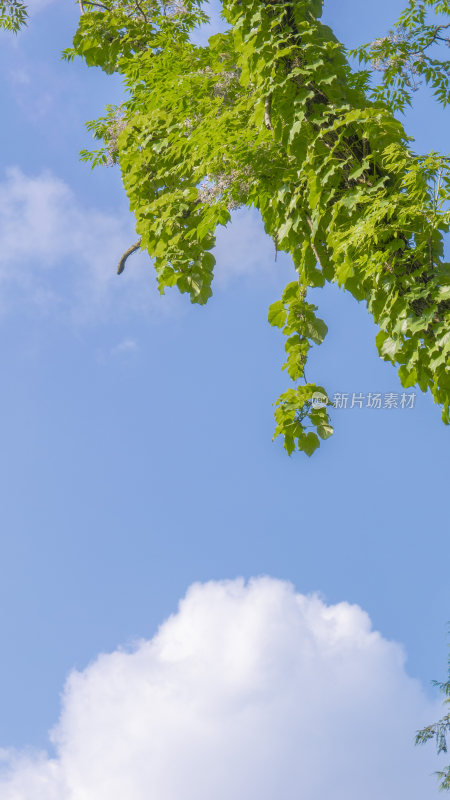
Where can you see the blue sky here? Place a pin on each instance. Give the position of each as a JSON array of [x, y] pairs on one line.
[[136, 451]]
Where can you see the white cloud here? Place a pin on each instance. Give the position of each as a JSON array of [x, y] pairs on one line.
[[59, 254], [125, 347], [249, 691]]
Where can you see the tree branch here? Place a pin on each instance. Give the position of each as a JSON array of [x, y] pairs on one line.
[[138, 6], [98, 5], [127, 253]]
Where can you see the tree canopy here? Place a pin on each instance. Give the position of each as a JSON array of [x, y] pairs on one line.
[[271, 115]]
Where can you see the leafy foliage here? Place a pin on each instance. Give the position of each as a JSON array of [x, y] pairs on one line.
[[270, 115], [13, 15], [438, 731], [403, 56]]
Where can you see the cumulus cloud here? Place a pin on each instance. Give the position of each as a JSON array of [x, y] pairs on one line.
[[248, 691]]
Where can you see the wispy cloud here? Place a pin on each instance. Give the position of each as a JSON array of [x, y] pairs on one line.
[[34, 6], [125, 347], [248, 691], [58, 255]]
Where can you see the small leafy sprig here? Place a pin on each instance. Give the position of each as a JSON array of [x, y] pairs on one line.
[[410, 54], [13, 15], [439, 731]]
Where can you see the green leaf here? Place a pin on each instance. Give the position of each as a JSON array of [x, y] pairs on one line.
[[309, 443], [408, 376], [325, 431], [277, 314]]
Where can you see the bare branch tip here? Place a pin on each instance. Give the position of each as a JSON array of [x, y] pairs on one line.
[[127, 253]]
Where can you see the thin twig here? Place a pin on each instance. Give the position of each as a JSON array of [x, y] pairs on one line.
[[80, 3], [141, 11], [98, 5], [267, 113], [127, 253]]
